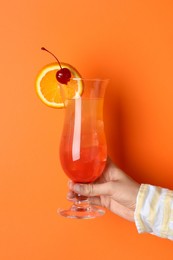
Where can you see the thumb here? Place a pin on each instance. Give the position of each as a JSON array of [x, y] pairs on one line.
[[93, 189]]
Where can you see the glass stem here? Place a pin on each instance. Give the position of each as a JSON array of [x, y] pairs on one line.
[[81, 202]]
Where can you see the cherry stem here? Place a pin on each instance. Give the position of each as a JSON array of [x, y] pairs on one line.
[[44, 49]]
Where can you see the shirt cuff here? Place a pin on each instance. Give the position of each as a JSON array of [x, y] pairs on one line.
[[154, 211]]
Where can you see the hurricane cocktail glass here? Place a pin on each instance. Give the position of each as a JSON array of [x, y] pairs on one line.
[[83, 150]]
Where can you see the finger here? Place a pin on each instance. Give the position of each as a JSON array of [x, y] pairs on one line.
[[70, 184], [95, 201], [93, 189], [92, 200], [71, 196]]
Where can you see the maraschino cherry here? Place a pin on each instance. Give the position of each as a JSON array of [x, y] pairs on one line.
[[63, 75]]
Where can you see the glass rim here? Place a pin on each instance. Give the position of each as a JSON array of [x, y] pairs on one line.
[[90, 79]]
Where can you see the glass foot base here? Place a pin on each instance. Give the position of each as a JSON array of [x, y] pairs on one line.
[[82, 212]]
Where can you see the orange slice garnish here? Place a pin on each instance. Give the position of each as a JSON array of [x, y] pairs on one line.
[[51, 92]]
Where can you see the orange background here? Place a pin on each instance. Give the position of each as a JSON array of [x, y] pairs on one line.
[[128, 41]]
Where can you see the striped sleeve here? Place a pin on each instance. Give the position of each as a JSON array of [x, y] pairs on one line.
[[154, 211]]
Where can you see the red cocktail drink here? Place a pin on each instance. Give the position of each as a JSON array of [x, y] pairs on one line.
[[83, 159]]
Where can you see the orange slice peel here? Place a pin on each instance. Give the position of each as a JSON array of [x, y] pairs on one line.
[[51, 92]]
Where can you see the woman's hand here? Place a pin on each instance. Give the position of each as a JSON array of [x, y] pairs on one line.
[[114, 190]]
